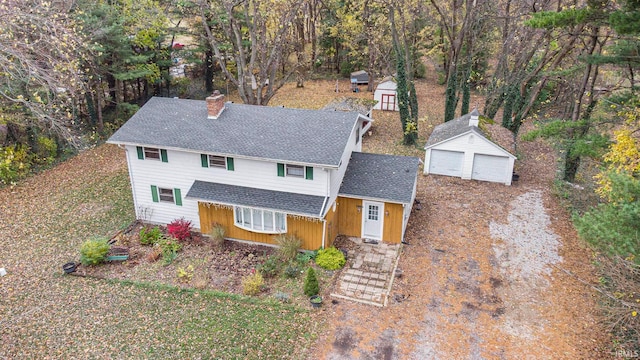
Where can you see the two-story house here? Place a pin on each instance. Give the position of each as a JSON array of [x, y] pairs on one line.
[[260, 171]]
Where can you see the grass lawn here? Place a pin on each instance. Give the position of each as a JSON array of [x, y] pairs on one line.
[[46, 314]]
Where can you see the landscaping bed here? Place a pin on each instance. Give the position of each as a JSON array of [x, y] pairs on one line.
[[203, 265]]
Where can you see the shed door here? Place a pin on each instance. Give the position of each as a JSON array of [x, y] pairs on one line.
[[372, 219], [490, 168], [388, 102], [444, 162]]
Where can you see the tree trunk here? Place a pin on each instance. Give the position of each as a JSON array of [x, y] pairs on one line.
[[209, 63], [113, 92]]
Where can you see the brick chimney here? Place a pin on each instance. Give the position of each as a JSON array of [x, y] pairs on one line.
[[215, 105], [474, 118]]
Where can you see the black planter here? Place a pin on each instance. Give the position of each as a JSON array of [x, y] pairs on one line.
[[316, 301], [69, 267]]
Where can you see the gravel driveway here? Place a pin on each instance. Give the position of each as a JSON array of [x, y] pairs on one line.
[[480, 279]]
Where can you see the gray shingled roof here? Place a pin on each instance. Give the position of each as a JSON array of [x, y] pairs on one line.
[[360, 105], [288, 135], [291, 203], [450, 129], [492, 132], [377, 176]]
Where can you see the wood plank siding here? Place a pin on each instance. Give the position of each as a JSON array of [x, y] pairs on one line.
[[345, 220], [332, 225], [350, 219], [309, 231], [392, 231]]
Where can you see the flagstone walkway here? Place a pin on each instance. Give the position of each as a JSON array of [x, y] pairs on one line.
[[370, 273]]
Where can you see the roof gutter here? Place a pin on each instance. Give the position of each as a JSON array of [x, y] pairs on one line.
[[237, 156]]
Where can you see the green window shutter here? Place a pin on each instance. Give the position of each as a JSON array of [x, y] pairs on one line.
[[140, 152], [308, 172], [204, 158], [230, 164], [154, 193], [177, 197], [163, 155], [280, 169]]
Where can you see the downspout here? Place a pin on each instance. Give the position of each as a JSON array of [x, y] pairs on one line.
[[133, 187], [327, 197], [324, 222], [324, 232]]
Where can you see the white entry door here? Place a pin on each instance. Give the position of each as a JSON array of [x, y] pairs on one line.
[[372, 215]]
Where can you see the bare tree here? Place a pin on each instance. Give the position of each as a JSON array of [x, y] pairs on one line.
[[249, 39], [40, 54]]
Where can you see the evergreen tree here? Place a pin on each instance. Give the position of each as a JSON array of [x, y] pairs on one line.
[[311, 283]]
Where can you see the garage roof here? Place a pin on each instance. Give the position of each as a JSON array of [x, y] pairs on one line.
[[494, 133]]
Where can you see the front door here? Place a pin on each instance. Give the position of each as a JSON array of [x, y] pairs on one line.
[[372, 213]]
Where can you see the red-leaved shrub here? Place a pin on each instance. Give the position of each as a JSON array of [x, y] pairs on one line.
[[180, 229]]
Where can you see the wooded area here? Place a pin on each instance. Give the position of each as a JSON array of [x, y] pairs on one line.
[[72, 71]]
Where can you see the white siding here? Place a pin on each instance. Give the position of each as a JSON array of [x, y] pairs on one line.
[[407, 209], [337, 175], [387, 87], [470, 144], [183, 168]]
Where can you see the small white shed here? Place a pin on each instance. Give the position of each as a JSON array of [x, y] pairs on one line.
[[385, 94], [462, 148]]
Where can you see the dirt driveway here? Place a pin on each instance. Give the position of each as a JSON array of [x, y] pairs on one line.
[[483, 278]]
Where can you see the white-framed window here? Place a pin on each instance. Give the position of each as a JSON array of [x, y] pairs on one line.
[[149, 153], [258, 220], [295, 170], [298, 171], [217, 161], [166, 195], [152, 153]]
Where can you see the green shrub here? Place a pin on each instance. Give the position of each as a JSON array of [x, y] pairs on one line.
[[94, 251], [270, 267], [252, 284], [14, 163], [291, 271], [288, 246], [420, 71], [150, 237], [282, 296], [303, 258], [46, 150], [217, 235], [170, 248], [311, 283], [185, 274], [330, 259]]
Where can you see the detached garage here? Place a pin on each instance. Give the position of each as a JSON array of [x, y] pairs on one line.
[[465, 148]]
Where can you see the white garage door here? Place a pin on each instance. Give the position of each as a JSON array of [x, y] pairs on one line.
[[490, 168], [446, 162]]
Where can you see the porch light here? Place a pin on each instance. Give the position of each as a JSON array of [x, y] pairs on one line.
[[359, 207]]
